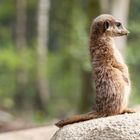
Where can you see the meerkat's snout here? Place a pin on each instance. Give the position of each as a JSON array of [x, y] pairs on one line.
[[124, 31], [119, 29]]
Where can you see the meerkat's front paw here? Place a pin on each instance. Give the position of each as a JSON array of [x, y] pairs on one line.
[[128, 110]]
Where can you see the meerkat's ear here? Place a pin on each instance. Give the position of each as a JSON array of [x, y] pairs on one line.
[[106, 25]]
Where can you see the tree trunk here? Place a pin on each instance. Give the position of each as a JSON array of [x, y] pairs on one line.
[[119, 9], [42, 94], [21, 46], [122, 14], [88, 90]]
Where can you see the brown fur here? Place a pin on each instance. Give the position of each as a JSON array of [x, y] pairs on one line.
[[111, 73]]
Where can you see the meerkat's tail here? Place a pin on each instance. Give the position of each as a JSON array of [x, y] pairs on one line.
[[78, 118]]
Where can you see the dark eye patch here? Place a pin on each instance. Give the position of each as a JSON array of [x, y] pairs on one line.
[[118, 24]]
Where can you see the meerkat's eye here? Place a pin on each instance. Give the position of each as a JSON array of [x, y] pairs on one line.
[[118, 24]]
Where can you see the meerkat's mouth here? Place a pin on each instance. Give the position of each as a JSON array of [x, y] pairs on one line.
[[125, 32]]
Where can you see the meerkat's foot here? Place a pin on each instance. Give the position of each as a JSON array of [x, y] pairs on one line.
[[128, 110]]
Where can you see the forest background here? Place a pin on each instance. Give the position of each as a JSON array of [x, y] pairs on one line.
[[45, 70]]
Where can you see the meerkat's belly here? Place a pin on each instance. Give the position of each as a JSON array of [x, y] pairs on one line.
[[112, 92]]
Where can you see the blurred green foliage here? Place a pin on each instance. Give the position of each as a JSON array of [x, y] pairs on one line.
[[133, 51]]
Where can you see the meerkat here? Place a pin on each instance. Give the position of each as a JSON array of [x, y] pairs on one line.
[[111, 74]]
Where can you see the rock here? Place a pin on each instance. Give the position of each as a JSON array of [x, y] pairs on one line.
[[120, 127]]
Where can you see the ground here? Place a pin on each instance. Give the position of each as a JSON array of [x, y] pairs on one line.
[[41, 133]]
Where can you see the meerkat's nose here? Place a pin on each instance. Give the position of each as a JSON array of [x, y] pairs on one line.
[[125, 32]]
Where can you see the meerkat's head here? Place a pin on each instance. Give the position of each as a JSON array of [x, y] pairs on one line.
[[107, 25]]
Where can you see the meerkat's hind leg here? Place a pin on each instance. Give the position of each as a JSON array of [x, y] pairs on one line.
[[128, 110]]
